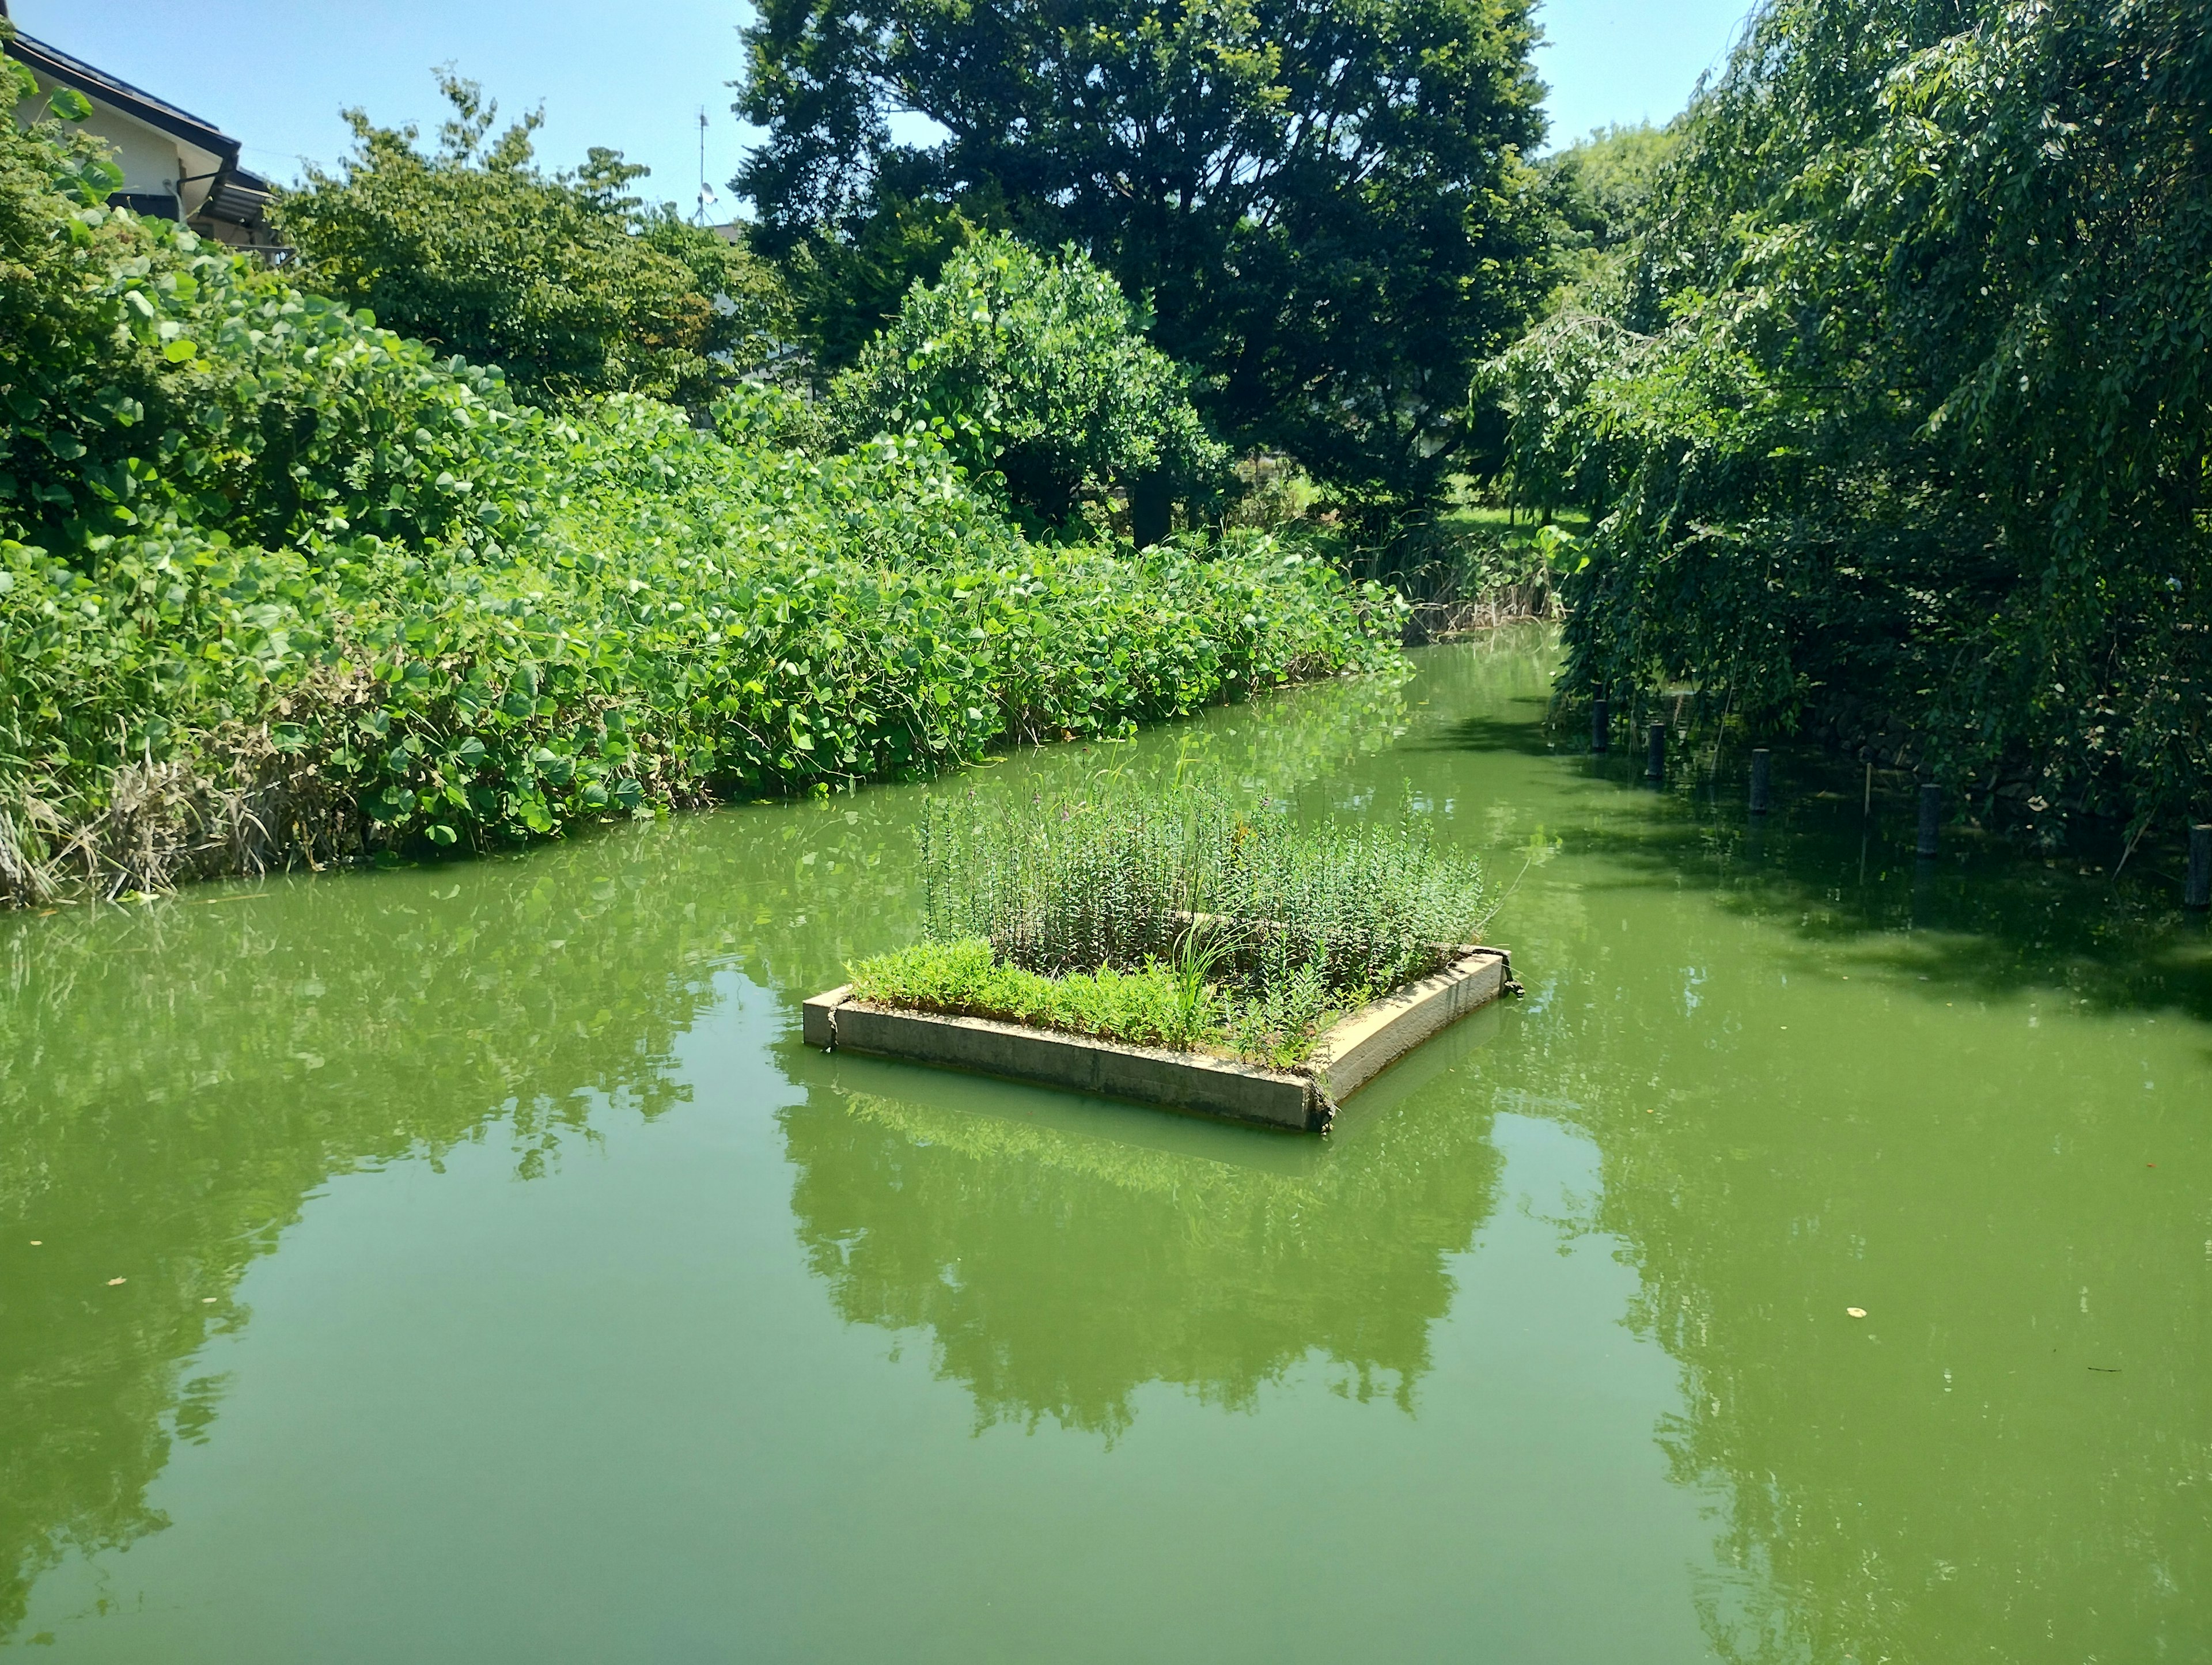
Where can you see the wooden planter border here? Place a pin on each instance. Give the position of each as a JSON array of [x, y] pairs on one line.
[[1356, 1049]]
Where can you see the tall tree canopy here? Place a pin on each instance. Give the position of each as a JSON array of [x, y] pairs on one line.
[[1903, 418], [1325, 204], [569, 284]]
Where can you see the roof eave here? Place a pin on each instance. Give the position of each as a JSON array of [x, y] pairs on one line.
[[122, 96]]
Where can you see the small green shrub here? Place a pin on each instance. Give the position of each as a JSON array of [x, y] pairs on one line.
[[1145, 1006], [1036, 374]]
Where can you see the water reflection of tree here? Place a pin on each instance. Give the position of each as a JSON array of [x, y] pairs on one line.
[[1870, 1506], [1949, 1479], [179, 1078], [1058, 1268]]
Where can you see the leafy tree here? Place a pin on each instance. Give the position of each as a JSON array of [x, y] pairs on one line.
[[843, 289], [570, 285], [1035, 373], [1602, 186], [1326, 205], [1904, 419]]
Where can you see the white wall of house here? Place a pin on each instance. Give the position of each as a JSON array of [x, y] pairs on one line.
[[152, 161]]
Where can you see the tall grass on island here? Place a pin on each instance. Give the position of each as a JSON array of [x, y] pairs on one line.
[[1188, 921], [277, 585]]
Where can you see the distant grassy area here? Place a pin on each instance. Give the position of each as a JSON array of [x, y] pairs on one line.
[[1495, 520]]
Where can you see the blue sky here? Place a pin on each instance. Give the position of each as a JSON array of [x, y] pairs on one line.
[[275, 73]]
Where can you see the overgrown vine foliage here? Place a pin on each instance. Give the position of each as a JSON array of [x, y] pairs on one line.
[[1897, 421], [277, 583]]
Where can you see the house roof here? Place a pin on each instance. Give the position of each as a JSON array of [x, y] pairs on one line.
[[234, 194], [120, 94]]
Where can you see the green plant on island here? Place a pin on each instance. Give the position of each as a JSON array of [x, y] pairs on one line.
[[1189, 921]]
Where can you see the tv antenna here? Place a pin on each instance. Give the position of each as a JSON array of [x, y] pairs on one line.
[[706, 190]]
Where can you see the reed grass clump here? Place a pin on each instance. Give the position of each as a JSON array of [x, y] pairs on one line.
[[1190, 920]]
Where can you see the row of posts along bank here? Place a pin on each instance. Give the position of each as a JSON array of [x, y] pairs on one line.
[[2196, 889]]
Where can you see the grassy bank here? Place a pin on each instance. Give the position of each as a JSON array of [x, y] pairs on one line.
[[694, 617]]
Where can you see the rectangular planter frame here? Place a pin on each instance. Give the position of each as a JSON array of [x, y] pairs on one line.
[[1354, 1051]]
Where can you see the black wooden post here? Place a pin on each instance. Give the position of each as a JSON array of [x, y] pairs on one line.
[[1762, 761], [1654, 768], [1931, 816], [2199, 891], [1601, 725]]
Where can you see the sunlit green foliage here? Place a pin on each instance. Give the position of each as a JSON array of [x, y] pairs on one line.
[[563, 280], [1601, 185], [274, 580], [967, 979], [1227, 926], [1901, 421], [1037, 376]]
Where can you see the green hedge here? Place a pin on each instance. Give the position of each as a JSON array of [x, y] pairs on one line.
[[696, 619]]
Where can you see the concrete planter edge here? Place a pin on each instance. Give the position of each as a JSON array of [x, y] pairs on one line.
[[1356, 1049]]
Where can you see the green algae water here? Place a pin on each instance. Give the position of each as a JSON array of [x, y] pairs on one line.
[[469, 1263]]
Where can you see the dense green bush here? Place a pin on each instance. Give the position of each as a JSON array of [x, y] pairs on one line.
[[693, 617], [152, 380], [565, 282], [275, 581], [1037, 375], [1900, 424]]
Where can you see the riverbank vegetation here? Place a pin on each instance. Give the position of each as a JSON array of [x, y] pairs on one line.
[[278, 582], [512, 499], [1883, 379], [1186, 920]]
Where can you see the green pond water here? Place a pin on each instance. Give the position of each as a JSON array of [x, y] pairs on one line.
[[501, 1280]]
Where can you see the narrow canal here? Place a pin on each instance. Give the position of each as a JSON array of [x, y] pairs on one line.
[[469, 1263]]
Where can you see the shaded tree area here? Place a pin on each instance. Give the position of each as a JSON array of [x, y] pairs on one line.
[[1894, 414], [1325, 208]]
